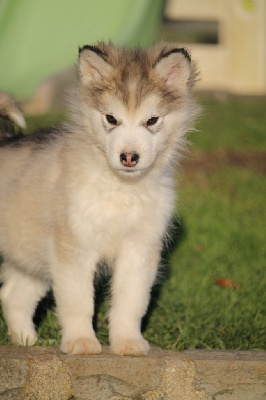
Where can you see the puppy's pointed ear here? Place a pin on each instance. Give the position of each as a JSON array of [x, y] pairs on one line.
[[92, 64], [174, 67]]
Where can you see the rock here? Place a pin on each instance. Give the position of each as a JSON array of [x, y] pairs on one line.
[[45, 373]]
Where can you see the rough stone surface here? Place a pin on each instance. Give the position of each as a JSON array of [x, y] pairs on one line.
[[234, 375], [32, 373], [45, 373], [95, 377]]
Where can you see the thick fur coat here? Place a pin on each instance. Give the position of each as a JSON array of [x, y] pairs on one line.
[[100, 188]]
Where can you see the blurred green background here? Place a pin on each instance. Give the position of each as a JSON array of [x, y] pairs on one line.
[[41, 38]]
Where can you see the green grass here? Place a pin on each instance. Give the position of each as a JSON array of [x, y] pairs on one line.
[[237, 124], [220, 234]]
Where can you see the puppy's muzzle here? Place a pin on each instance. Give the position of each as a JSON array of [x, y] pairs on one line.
[[129, 159]]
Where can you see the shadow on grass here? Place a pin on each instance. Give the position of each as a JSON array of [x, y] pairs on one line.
[[177, 234], [46, 303]]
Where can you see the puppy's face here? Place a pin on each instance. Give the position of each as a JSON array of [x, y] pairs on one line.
[[131, 138], [137, 104]]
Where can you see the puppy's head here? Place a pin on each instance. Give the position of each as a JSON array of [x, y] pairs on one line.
[[137, 103]]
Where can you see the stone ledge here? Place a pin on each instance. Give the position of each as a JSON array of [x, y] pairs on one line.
[[45, 373]]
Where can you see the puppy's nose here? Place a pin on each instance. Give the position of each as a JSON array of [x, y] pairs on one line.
[[129, 159]]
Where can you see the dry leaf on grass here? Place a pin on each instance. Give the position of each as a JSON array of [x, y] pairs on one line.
[[226, 283]]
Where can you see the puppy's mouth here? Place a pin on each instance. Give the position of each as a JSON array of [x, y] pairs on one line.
[[130, 171]]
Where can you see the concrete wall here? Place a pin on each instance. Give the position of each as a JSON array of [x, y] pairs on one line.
[[46, 374], [238, 62]]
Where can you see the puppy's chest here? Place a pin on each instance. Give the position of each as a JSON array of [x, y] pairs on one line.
[[107, 213]]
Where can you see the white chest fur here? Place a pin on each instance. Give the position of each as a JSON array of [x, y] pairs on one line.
[[107, 210]]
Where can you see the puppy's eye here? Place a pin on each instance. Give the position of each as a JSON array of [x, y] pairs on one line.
[[110, 119], [152, 121]]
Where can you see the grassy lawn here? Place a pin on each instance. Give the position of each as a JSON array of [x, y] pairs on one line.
[[220, 233]]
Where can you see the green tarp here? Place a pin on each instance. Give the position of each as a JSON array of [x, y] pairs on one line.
[[39, 38]]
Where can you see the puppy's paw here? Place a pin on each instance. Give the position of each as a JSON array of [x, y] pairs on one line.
[[130, 347], [24, 338], [81, 346]]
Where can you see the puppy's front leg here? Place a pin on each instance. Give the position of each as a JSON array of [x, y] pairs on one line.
[[134, 274], [73, 289]]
